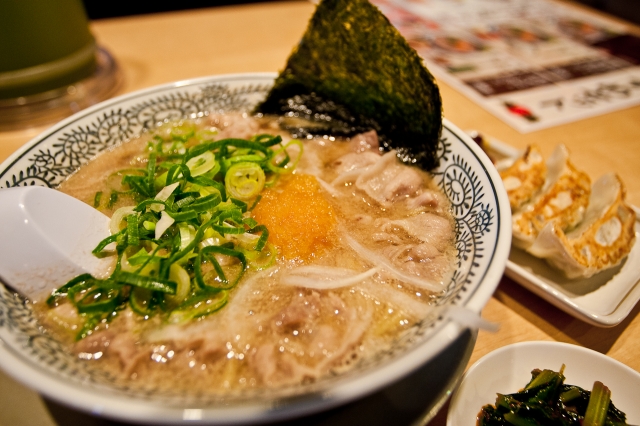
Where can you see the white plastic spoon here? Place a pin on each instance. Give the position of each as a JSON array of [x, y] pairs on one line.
[[46, 239]]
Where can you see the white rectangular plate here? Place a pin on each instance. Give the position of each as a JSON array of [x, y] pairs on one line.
[[603, 300]]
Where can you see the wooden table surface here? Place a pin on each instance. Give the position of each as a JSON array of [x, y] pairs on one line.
[[161, 48]]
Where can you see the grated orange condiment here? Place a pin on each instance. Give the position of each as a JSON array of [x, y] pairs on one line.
[[299, 219]]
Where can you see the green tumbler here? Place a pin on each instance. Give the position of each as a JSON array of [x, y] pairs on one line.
[[44, 45]]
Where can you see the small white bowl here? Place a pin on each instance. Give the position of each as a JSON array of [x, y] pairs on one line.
[[466, 175], [508, 369]]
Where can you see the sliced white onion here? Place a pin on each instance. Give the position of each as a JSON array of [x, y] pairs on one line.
[[163, 224], [118, 216], [330, 271], [163, 195], [166, 192], [385, 294], [327, 187], [376, 259], [326, 277]]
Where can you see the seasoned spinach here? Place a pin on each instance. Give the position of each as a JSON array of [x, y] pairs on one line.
[[547, 401]]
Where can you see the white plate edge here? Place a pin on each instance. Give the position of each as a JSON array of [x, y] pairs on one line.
[[554, 295]]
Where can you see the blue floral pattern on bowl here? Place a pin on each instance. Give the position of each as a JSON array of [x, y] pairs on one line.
[[53, 156]]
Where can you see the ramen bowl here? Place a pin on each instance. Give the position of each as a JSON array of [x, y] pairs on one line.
[[465, 175]]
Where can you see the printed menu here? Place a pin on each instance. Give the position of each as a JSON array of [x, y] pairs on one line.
[[533, 64]]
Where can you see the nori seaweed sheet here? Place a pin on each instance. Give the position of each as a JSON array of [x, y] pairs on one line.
[[353, 71]]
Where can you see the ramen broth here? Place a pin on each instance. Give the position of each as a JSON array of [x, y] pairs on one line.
[[364, 243]]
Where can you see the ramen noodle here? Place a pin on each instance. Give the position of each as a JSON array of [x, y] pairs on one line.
[[321, 255]]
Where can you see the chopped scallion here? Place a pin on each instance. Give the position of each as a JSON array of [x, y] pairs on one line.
[[190, 208]]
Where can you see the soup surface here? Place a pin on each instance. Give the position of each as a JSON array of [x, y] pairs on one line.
[[358, 244]]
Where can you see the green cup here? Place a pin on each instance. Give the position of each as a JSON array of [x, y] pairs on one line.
[[44, 45]]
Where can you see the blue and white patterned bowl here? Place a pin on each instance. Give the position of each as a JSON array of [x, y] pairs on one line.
[[466, 176]]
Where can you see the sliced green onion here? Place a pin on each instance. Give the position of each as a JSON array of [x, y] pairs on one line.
[[142, 257], [205, 203], [152, 257], [181, 277], [141, 301], [203, 191], [183, 132], [187, 234], [207, 182], [198, 306], [133, 237], [151, 173], [267, 140], [241, 143], [101, 299], [205, 254], [281, 162], [150, 283], [90, 323], [96, 199], [62, 291], [206, 135], [245, 158], [264, 235], [186, 198], [114, 180], [104, 243], [239, 203], [152, 204], [176, 172], [256, 201], [262, 259], [161, 180], [182, 216], [138, 184], [250, 222], [202, 163], [118, 216], [244, 180], [227, 228], [113, 199]]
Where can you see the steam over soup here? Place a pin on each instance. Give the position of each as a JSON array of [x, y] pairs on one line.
[[247, 260]]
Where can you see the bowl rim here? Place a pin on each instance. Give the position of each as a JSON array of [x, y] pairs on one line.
[[112, 405]]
